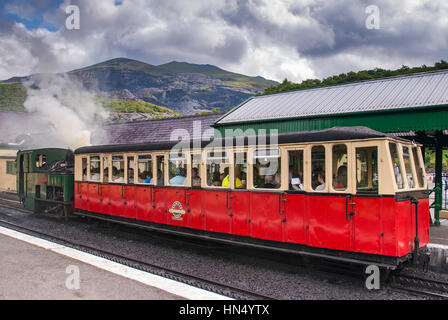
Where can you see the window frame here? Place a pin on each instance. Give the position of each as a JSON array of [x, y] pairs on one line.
[[285, 163], [89, 170], [421, 164], [412, 165], [123, 155], [309, 177], [205, 157], [251, 162], [137, 168], [187, 170], [350, 163]]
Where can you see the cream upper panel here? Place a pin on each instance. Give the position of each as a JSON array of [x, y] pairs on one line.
[[382, 175]]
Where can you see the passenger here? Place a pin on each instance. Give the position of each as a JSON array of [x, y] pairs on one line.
[[95, 174], [179, 178], [340, 181], [320, 181], [243, 180], [118, 176], [225, 180], [277, 180], [147, 178], [130, 175], [269, 182], [295, 182], [195, 178], [160, 178], [216, 181]]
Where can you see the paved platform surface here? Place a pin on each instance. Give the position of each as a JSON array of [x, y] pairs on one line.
[[439, 234], [31, 272]]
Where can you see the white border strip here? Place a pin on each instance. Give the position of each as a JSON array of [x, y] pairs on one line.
[[168, 285], [436, 245]]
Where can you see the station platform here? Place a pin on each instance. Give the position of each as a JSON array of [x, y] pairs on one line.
[[439, 234], [36, 269]]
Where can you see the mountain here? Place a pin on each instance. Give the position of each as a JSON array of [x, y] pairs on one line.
[[183, 87], [180, 86]]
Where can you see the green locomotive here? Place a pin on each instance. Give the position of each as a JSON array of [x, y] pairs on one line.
[[45, 180]]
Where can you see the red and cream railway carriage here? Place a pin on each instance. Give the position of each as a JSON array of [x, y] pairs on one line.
[[341, 193]]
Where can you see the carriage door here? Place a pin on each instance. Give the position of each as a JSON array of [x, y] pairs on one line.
[[364, 207]]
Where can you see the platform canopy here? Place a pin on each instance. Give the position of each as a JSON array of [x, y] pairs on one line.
[[410, 103], [413, 107]]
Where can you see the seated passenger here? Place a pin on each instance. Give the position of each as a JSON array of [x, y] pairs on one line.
[[216, 181], [269, 182], [225, 180], [195, 179], [243, 181], [179, 178], [147, 178], [117, 175], [320, 181], [295, 181], [340, 181]]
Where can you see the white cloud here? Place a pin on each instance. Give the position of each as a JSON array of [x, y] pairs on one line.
[[274, 39]]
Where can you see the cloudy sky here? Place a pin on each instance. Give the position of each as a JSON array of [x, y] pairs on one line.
[[276, 39]]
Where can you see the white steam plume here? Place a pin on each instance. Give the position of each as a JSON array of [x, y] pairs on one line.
[[67, 105]]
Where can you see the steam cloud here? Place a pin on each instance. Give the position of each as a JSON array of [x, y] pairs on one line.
[[72, 110]]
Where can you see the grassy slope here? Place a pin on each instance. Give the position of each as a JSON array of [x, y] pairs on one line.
[[231, 78], [12, 96], [121, 106]]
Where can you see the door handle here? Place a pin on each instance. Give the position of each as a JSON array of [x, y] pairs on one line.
[[351, 213]]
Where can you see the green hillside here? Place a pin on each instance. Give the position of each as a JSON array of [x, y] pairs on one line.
[[122, 106], [231, 78], [12, 96]]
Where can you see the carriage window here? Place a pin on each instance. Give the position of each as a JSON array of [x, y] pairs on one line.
[[195, 170], [177, 169], [367, 170], [84, 169], [408, 167], [295, 170], [41, 160], [105, 169], [118, 169], [160, 166], [267, 168], [218, 169], [396, 164], [240, 170], [418, 167], [339, 167], [130, 169], [95, 168], [145, 168], [318, 167]]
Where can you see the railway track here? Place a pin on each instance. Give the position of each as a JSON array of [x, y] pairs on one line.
[[419, 285], [199, 282]]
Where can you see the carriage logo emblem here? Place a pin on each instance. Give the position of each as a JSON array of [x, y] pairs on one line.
[[177, 211]]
